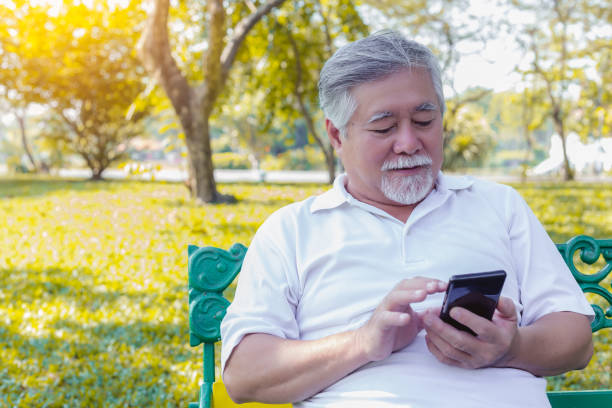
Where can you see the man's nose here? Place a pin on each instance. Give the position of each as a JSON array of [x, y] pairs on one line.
[[407, 140]]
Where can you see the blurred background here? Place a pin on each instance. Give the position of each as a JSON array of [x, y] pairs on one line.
[[126, 128], [84, 85]]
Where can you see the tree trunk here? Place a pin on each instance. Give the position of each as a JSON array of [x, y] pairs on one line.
[[330, 160], [568, 173], [201, 179], [93, 164], [530, 144], [24, 141]]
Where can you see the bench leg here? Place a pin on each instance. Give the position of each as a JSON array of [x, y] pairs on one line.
[[205, 395]]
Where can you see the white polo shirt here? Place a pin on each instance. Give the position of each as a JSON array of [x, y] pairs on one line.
[[322, 266]]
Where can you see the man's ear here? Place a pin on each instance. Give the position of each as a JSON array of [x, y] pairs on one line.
[[334, 135]]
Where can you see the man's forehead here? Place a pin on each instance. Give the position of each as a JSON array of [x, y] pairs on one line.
[[423, 107]]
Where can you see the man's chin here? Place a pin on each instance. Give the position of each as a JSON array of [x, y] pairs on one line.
[[408, 190]]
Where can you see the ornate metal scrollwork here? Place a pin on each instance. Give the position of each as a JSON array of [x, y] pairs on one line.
[[206, 311], [211, 271], [590, 251]]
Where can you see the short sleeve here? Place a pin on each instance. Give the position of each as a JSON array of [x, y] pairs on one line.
[[266, 295], [545, 282]]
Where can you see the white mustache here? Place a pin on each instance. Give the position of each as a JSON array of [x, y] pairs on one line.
[[406, 162]]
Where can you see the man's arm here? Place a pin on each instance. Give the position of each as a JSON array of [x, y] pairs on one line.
[[555, 343], [270, 369]]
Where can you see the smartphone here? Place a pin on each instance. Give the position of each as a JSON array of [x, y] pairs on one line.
[[477, 292]]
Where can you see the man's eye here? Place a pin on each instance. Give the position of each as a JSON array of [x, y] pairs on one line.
[[383, 131], [423, 123]]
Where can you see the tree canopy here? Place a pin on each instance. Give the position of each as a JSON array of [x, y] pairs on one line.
[[570, 69], [80, 62], [281, 61]]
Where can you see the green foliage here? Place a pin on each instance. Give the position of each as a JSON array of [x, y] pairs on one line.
[[93, 283], [468, 139]]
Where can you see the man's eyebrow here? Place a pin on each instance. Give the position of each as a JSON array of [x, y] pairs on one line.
[[379, 115], [427, 106]]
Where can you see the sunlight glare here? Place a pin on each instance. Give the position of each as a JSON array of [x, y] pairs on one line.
[[8, 4]]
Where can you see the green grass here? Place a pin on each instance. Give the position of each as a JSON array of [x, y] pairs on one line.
[[93, 297]]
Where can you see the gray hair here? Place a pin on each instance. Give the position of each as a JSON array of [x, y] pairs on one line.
[[366, 60]]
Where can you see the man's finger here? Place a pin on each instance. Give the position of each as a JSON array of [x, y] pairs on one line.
[[435, 346], [505, 306], [394, 319], [478, 324], [398, 300], [457, 339], [427, 284]]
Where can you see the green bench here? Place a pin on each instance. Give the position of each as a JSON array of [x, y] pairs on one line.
[[212, 270]]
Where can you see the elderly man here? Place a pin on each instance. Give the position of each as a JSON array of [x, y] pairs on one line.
[[338, 300]]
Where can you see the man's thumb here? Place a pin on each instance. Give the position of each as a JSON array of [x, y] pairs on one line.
[[506, 308]]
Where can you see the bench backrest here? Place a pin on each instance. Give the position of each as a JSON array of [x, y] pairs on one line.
[[212, 270]]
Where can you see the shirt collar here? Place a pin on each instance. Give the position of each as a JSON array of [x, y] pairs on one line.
[[444, 182], [338, 195], [332, 198]]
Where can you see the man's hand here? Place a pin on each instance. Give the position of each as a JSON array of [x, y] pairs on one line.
[[394, 324], [495, 341]]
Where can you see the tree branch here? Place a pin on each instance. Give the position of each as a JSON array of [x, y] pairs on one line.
[[475, 97], [328, 40], [154, 50], [240, 32], [212, 58], [71, 124], [297, 90]]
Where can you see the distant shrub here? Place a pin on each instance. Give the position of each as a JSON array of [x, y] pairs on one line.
[[15, 165], [231, 160], [306, 158]]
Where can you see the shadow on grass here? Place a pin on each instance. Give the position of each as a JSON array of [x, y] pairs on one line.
[[123, 359], [78, 286], [112, 374], [272, 202], [135, 332], [192, 203], [40, 186]]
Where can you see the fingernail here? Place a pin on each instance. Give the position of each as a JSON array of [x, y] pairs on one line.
[[418, 292], [428, 320]]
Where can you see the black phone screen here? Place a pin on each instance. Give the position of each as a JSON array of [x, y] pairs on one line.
[[477, 292]]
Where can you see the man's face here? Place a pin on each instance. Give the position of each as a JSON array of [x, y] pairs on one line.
[[392, 151]]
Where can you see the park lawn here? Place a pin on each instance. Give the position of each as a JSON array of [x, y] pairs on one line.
[[93, 283]]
